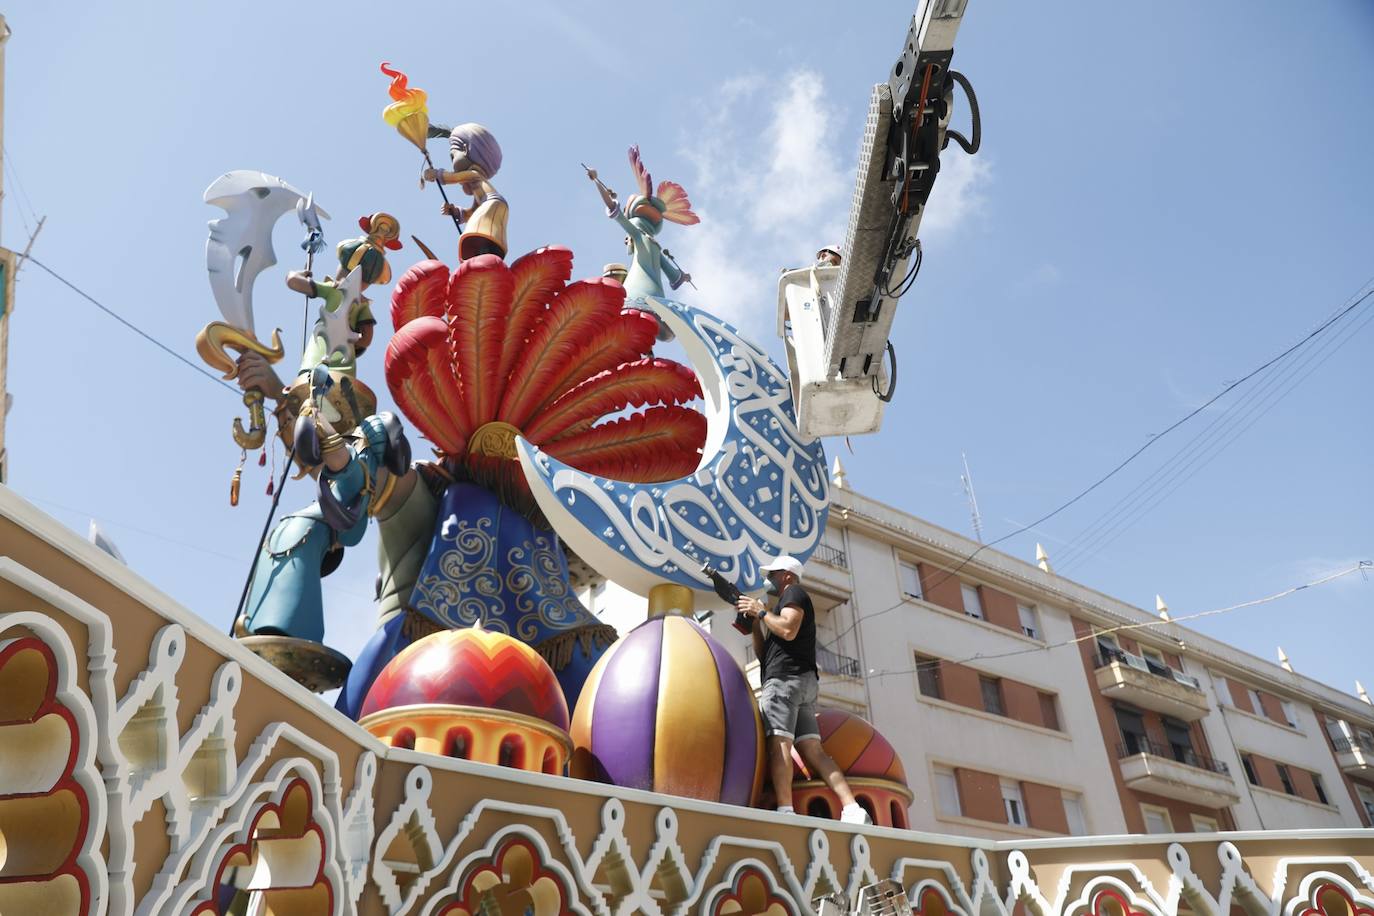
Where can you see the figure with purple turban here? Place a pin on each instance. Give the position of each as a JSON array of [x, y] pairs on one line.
[[476, 159]]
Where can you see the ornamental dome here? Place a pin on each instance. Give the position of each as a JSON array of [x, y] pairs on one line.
[[870, 765], [470, 668], [857, 748], [668, 709]]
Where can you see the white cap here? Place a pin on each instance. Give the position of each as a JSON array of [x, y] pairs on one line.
[[785, 563]]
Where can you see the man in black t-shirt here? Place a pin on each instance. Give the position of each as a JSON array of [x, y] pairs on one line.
[[785, 644]]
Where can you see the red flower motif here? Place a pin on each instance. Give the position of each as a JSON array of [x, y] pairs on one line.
[[515, 881], [750, 895], [283, 831], [1331, 900], [489, 351], [1113, 903]]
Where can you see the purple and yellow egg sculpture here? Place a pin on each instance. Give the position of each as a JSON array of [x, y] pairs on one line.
[[669, 710]]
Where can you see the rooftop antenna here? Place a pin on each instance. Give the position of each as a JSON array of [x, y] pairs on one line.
[[967, 478]]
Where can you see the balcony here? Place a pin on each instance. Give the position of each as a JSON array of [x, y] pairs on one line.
[[1140, 682], [1355, 756], [831, 556], [1180, 774], [837, 665], [841, 679]]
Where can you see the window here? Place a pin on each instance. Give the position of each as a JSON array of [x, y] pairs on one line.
[[1073, 814], [1132, 726], [1320, 789], [1286, 779], [1154, 660], [1108, 648], [973, 604], [928, 677], [992, 695], [1223, 691], [1029, 625], [1013, 804], [1248, 762], [1180, 741], [947, 792], [1290, 713], [1156, 819], [1256, 704], [910, 580], [1366, 799], [1204, 824], [1049, 711], [1336, 729]]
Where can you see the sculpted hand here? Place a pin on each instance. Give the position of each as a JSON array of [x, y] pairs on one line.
[[451, 210], [431, 174], [256, 372]]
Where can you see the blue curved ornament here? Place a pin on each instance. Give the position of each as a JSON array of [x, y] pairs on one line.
[[761, 489]]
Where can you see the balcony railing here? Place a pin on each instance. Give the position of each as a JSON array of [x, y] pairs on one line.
[[832, 663], [1186, 756], [831, 556], [1344, 745], [1105, 656], [837, 664]]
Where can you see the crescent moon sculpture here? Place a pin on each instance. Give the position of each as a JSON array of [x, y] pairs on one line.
[[760, 490]]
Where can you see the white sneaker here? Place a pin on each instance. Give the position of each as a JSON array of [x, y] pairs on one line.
[[855, 814], [786, 809]]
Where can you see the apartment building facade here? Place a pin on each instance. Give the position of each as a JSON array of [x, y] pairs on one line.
[[1024, 704]]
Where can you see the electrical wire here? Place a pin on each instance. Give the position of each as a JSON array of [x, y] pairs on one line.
[[1321, 328], [130, 325], [184, 545], [1203, 448], [14, 175], [1188, 471], [1139, 625]]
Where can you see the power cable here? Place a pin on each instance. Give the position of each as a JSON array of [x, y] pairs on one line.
[[1321, 328], [1267, 397], [1203, 447], [1139, 625], [14, 176], [328, 585], [130, 325]]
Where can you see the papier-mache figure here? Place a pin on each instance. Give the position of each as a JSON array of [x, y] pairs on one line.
[[642, 218], [362, 262], [358, 474], [476, 158]]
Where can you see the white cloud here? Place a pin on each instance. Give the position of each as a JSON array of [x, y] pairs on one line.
[[959, 192], [770, 197], [767, 198]]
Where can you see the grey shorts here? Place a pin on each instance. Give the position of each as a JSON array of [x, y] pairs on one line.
[[788, 707]]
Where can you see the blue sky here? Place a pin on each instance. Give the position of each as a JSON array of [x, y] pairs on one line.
[[1164, 200]]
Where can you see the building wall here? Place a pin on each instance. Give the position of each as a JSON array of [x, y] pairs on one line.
[[955, 731], [864, 617]]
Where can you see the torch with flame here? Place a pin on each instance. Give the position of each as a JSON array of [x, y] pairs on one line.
[[409, 114]]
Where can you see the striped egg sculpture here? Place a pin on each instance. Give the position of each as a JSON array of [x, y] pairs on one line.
[[668, 709]]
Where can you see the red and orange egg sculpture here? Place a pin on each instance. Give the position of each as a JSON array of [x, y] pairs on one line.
[[473, 694]]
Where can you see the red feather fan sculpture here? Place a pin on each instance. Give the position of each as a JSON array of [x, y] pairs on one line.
[[489, 351]]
